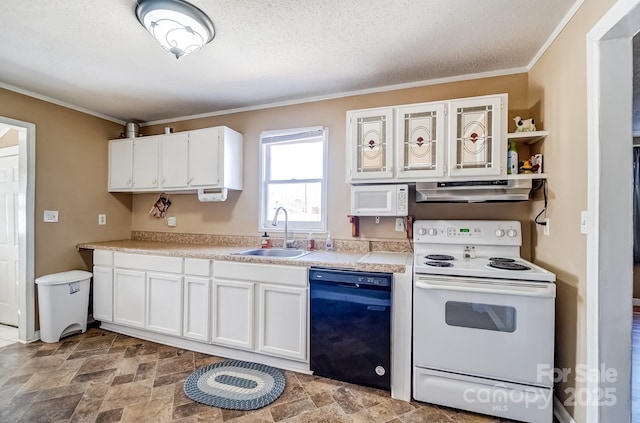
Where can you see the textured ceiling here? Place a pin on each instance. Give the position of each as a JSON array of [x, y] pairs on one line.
[[96, 56]]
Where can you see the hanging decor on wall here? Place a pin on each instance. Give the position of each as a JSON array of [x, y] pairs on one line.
[[161, 207]]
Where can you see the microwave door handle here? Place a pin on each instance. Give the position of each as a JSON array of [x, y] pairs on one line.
[[485, 288]]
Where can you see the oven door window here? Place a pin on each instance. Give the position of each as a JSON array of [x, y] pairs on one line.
[[480, 316]]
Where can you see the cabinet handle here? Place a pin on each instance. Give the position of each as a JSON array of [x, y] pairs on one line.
[[154, 181], [163, 181], [189, 181], [128, 181]]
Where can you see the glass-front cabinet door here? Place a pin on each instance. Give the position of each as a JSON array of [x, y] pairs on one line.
[[371, 144], [420, 141], [477, 139]]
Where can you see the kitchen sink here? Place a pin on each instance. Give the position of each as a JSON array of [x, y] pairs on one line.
[[275, 252]]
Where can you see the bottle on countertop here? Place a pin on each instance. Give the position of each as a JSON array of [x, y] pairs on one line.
[[311, 242], [512, 159], [329, 242], [266, 241]]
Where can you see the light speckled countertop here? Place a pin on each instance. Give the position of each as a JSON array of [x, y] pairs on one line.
[[391, 262]]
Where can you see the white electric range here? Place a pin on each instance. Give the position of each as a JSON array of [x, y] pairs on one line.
[[483, 328]]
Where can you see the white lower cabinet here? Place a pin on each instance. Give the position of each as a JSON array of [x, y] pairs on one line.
[[282, 323], [233, 304], [196, 301], [103, 293], [261, 308], [272, 320], [164, 303], [129, 292]]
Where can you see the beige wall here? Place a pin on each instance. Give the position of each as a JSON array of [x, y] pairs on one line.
[[239, 214], [71, 177], [558, 89]]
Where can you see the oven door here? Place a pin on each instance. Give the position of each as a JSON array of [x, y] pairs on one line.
[[489, 328]]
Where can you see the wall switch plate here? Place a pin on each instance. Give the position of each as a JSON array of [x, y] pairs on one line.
[[583, 221], [171, 221], [51, 215], [546, 227], [102, 219], [399, 224]]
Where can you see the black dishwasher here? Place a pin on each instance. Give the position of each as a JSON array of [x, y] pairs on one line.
[[351, 326]]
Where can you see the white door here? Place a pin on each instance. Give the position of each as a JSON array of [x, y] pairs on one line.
[[173, 161], [145, 163], [103, 293], [9, 237], [164, 303], [233, 313], [196, 308], [129, 297], [121, 165], [370, 145], [282, 323], [204, 157]]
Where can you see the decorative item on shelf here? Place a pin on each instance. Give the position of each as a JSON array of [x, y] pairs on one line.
[[524, 125], [180, 27], [536, 163], [161, 207], [512, 159], [525, 167]]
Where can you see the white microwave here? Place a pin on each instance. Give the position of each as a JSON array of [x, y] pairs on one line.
[[379, 200]]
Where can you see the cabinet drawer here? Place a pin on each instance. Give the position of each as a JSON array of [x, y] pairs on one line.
[[102, 258], [148, 262], [270, 273], [197, 267]]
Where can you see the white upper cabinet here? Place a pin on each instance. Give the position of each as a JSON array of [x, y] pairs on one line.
[[121, 164], [478, 136], [420, 141], [145, 163], [371, 144], [208, 158], [174, 150], [436, 141]]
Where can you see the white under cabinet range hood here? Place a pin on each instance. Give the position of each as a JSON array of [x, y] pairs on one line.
[[473, 191]]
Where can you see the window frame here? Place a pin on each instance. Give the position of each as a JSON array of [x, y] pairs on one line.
[[264, 224]]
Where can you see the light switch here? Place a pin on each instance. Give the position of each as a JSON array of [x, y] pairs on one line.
[[51, 216], [102, 219]]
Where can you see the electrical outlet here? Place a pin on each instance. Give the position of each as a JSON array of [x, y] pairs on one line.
[[102, 219], [546, 226], [51, 216], [377, 219], [171, 221], [399, 224]]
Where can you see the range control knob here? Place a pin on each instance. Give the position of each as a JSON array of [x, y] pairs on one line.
[[511, 233], [422, 231], [499, 233], [432, 231]]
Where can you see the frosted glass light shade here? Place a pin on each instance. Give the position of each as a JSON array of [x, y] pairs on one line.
[[180, 27]]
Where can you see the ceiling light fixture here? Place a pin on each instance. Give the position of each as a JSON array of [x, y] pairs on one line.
[[180, 27]]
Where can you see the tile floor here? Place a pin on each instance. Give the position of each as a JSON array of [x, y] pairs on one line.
[[8, 335], [100, 376]]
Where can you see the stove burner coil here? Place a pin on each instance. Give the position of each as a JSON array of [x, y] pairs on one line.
[[508, 266], [501, 259], [438, 263], [443, 257]]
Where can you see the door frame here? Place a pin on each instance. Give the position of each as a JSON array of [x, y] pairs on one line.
[[609, 240], [26, 215]]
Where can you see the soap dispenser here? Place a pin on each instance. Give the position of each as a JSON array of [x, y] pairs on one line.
[[311, 242], [329, 242], [266, 241]]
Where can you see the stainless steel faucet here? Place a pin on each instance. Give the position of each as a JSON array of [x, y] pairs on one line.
[[288, 243]]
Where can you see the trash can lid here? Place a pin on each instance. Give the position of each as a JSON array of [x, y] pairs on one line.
[[63, 277]]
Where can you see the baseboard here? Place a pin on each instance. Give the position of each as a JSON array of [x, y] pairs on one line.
[[636, 302], [560, 412]]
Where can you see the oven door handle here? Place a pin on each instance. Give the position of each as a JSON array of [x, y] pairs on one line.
[[524, 289]]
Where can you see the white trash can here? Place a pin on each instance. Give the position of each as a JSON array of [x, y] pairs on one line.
[[63, 302]]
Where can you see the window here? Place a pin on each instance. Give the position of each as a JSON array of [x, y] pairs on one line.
[[293, 164]]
